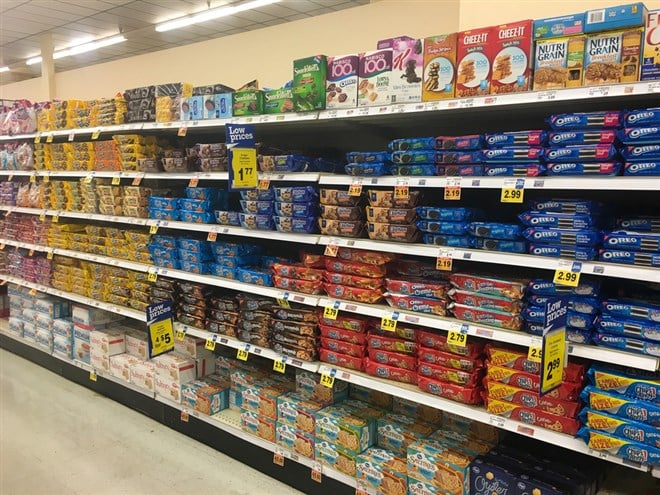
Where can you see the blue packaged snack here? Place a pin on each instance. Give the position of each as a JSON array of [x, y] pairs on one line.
[[500, 245], [579, 168], [572, 138], [579, 321], [632, 241], [163, 203], [647, 152], [171, 264], [164, 241], [629, 257], [641, 118], [231, 218], [427, 143], [223, 271], [504, 231], [404, 157], [459, 170], [193, 245], [194, 256], [619, 427], [413, 170], [582, 153], [642, 168], [580, 206], [638, 224], [533, 314], [234, 249], [254, 275], [256, 222], [628, 344], [283, 163], [511, 155], [297, 225], [579, 304], [557, 220], [637, 135], [169, 215], [458, 157], [545, 287], [204, 193], [325, 165], [515, 170], [296, 194], [371, 169], [469, 142], [236, 261], [446, 228], [487, 478], [580, 253], [196, 217], [515, 139], [268, 261], [258, 194], [448, 240], [198, 268], [162, 253], [586, 237], [629, 308], [577, 335], [630, 328], [445, 214], [585, 120], [199, 205], [258, 207], [642, 385], [296, 209], [621, 405], [367, 156], [620, 447]]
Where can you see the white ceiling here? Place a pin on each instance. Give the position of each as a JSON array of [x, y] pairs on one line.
[[23, 22]]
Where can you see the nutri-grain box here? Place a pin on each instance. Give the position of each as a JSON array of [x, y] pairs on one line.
[[407, 60], [342, 81], [473, 62], [651, 58], [511, 57], [613, 56], [558, 63], [439, 67], [375, 76]]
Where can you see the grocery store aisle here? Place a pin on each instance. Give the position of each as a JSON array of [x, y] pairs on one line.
[[57, 437]]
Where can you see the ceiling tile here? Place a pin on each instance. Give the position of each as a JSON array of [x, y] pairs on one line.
[[254, 16], [277, 10], [133, 14]]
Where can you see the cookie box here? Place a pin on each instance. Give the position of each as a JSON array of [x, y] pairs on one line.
[[342, 335], [163, 203], [231, 218], [531, 399], [258, 425], [396, 432], [517, 360], [169, 215], [567, 391], [331, 455], [254, 276], [418, 304], [236, 261], [511, 155], [494, 318], [485, 301], [492, 230], [382, 471], [298, 412], [626, 327], [392, 232], [485, 285], [448, 360], [585, 120], [299, 210], [631, 241], [635, 452], [611, 380], [445, 214], [353, 293], [417, 288], [450, 375], [356, 268], [627, 430], [534, 417], [647, 168], [448, 240], [351, 323], [439, 342], [394, 359], [390, 344], [371, 169], [283, 163], [386, 199], [629, 308], [578, 138], [390, 215], [297, 285], [258, 207], [447, 228], [390, 372], [296, 194], [341, 360], [256, 222], [295, 440], [341, 228], [338, 197], [345, 213], [348, 430], [629, 257]]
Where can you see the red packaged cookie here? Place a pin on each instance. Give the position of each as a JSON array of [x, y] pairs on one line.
[[497, 319], [389, 344], [449, 374], [466, 395], [417, 288], [517, 360], [353, 280], [352, 323], [297, 271], [418, 304], [341, 360], [448, 360], [362, 256], [487, 302], [304, 286], [513, 289], [353, 293], [413, 268], [401, 332], [566, 391], [395, 359], [390, 372], [438, 342], [355, 350], [534, 417], [528, 398], [355, 268], [312, 260], [344, 335]]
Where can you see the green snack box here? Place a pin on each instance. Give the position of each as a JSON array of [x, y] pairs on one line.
[[278, 101], [250, 102], [309, 78]]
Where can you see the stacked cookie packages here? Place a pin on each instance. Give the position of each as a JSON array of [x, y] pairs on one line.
[[511, 57]]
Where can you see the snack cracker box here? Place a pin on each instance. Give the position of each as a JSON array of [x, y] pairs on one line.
[[396, 432], [278, 101], [382, 471], [439, 67], [407, 68], [249, 102], [295, 440], [308, 384], [331, 455], [309, 79], [473, 62], [612, 57], [258, 425], [143, 374], [487, 478], [432, 462], [375, 78], [345, 428], [342, 82], [558, 63], [217, 106], [651, 54], [511, 58], [262, 399], [298, 412]]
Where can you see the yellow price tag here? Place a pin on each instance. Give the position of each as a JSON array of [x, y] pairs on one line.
[[452, 193], [210, 344], [443, 263], [31, 252], [92, 376], [328, 379], [49, 138], [331, 250], [183, 130], [116, 181], [264, 184], [96, 134], [46, 178], [355, 190], [33, 179], [37, 139], [283, 302], [87, 179], [180, 334], [42, 217], [278, 458], [388, 324], [193, 182], [152, 276], [279, 365], [137, 180], [512, 195], [566, 277], [401, 192], [49, 255], [244, 168], [185, 416], [553, 359], [161, 334], [153, 229], [242, 355], [457, 338], [316, 474], [535, 354], [212, 236], [330, 313], [55, 219], [9, 179]]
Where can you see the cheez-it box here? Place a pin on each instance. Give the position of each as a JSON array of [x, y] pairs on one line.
[[473, 62], [512, 53]]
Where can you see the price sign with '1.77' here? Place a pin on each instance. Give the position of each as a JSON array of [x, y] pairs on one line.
[[242, 156]]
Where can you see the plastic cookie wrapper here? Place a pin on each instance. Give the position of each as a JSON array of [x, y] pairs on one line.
[[354, 267], [513, 289], [443, 227], [528, 398], [468, 142], [439, 342], [342, 335], [353, 280], [341, 228], [303, 210], [345, 213], [391, 215], [579, 168], [502, 231], [367, 157], [338, 197], [417, 288], [342, 347], [341, 360], [620, 447], [458, 393], [413, 157], [515, 138], [371, 169], [390, 372], [640, 385], [629, 308], [545, 287], [501, 245], [392, 232], [536, 417], [448, 240], [577, 237], [629, 327], [450, 375], [580, 153], [639, 135], [515, 170], [258, 207], [625, 429], [485, 301], [568, 391], [412, 144], [621, 406], [585, 120], [351, 323], [486, 317], [446, 214], [417, 304]]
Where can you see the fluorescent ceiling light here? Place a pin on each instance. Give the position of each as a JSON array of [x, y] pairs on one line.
[[78, 49], [209, 15], [4, 69]]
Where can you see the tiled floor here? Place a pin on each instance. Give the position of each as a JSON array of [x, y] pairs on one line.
[[57, 437]]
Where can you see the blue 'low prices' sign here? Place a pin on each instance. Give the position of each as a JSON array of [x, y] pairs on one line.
[[160, 328], [242, 156]]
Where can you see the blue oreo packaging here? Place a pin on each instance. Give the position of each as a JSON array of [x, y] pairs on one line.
[[585, 120], [579, 253], [621, 405], [572, 138], [448, 240], [503, 231], [404, 157], [632, 241], [627, 429], [629, 308], [581, 153], [413, 170], [469, 142], [629, 257], [646, 152], [638, 224], [460, 170], [545, 287], [534, 328], [536, 315], [445, 214], [446, 228], [511, 155], [580, 168], [628, 344], [584, 207], [459, 157], [584, 237], [370, 169], [579, 304], [367, 156], [620, 447], [557, 220], [636, 135], [501, 245], [642, 118], [515, 170], [296, 194], [424, 143], [515, 138], [628, 327], [642, 168]]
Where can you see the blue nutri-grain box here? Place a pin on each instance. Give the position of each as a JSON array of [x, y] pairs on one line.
[[552, 27], [621, 16]]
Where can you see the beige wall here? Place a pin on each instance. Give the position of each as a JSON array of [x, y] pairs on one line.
[[267, 53]]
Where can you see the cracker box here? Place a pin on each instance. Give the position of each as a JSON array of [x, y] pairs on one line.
[[246, 375], [651, 56], [278, 101], [63, 347], [44, 339], [99, 360], [342, 81], [191, 347], [512, 57], [175, 367], [258, 425], [396, 432], [143, 375], [262, 399], [421, 488], [54, 308], [107, 342], [407, 68], [212, 397], [84, 315], [63, 327], [345, 428], [487, 478], [120, 366], [309, 79], [619, 17], [249, 102], [295, 440], [554, 27], [433, 462], [30, 334], [331, 455], [375, 78], [473, 69], [296, 411], [167, 388], [439, 67], [136, 345], [81, 344], [382, 471], [204, 366], [308, 384], [612, 57], [558, 63]]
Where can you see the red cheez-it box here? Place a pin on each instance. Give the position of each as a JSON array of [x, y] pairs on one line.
[[473, 67], [511, 57]]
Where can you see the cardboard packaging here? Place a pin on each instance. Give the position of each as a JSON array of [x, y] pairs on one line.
[[553, 27], [407, 68], [92, 317], [192, 347], [473, 62], [613, 57], [81, 343], [558, 63], [374, 78], [382, 471], [309, 80], [136, 345], [295, 440], [63, 327], [331, 455], [168, 388], [54, 308], [651, 56], [511, 58], [297, 412], [439, 67], [175, 367], [143, 375], [44, 339], [278, 101], [249, 102], [99, 360], [217, 106], [619, 17], [120, 366], [308, 385], [30, 332], [258, 425], [63, 346], [107, 342], [342, 82], [439, 465]]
